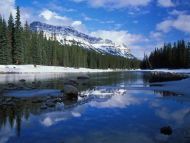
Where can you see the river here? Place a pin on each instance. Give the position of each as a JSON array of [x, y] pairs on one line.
[[111, 107]]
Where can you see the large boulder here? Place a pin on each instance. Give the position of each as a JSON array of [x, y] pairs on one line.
[[70, 91]]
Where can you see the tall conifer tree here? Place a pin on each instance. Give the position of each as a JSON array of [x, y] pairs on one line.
[[10, 37], [17, 49]]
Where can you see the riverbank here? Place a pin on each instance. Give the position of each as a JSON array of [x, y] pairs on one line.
[[47, 69], [58, 69]]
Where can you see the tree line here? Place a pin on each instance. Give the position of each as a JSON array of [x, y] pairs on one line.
[[20, 45], [176, 55]]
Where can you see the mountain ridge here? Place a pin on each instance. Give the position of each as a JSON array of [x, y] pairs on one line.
[[68, 35]]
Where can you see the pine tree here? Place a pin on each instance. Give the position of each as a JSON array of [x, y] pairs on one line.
[[35, 54], [11, 37], [54, 50], [26, 36], [17, 46]]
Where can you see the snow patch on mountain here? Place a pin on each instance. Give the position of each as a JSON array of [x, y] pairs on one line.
[[68, 35]]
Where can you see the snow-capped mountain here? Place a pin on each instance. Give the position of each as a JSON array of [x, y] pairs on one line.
[[68, 35]]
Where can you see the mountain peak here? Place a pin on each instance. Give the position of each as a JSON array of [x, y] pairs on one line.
[[67, 34]]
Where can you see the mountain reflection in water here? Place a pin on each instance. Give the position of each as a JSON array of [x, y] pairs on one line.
[[105, 111]]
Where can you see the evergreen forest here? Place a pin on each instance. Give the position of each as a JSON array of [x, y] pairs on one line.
[[173, 56]]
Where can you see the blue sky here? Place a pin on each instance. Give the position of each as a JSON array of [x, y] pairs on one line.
[[141, 24]]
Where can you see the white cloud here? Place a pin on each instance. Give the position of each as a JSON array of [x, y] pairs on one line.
[[102, 21], [53, 5], [76, 23], [7, 7], [47, 14], [177, 12], [87, 18], [181, 23], [115, 3], [53, 18], [165, 26], [136, 11], [120, 36], [156, 35], [166, 3], [107, 22]]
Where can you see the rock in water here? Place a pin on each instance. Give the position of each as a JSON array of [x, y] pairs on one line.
[[70, 91], [166, 130]]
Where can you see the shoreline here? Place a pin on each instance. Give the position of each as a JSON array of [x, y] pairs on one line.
[[19, 69]]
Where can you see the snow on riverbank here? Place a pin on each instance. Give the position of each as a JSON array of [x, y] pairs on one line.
[[58, 69], [46, 69]]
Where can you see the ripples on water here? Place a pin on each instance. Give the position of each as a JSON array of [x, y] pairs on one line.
[[105, 111]]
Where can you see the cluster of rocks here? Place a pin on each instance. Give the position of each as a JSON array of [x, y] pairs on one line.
[[69, 93], [8, 101], [21, 85]]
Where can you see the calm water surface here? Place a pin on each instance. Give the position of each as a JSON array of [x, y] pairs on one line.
[[105, 112]]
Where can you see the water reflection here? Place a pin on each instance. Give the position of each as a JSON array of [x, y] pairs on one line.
[[6, 133], [105, 111], [178, 114], [19, 109], [166, 93], [119, 99], [51, 118], [112, 137]]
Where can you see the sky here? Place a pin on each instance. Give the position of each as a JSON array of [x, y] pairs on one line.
[[141, 24]]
